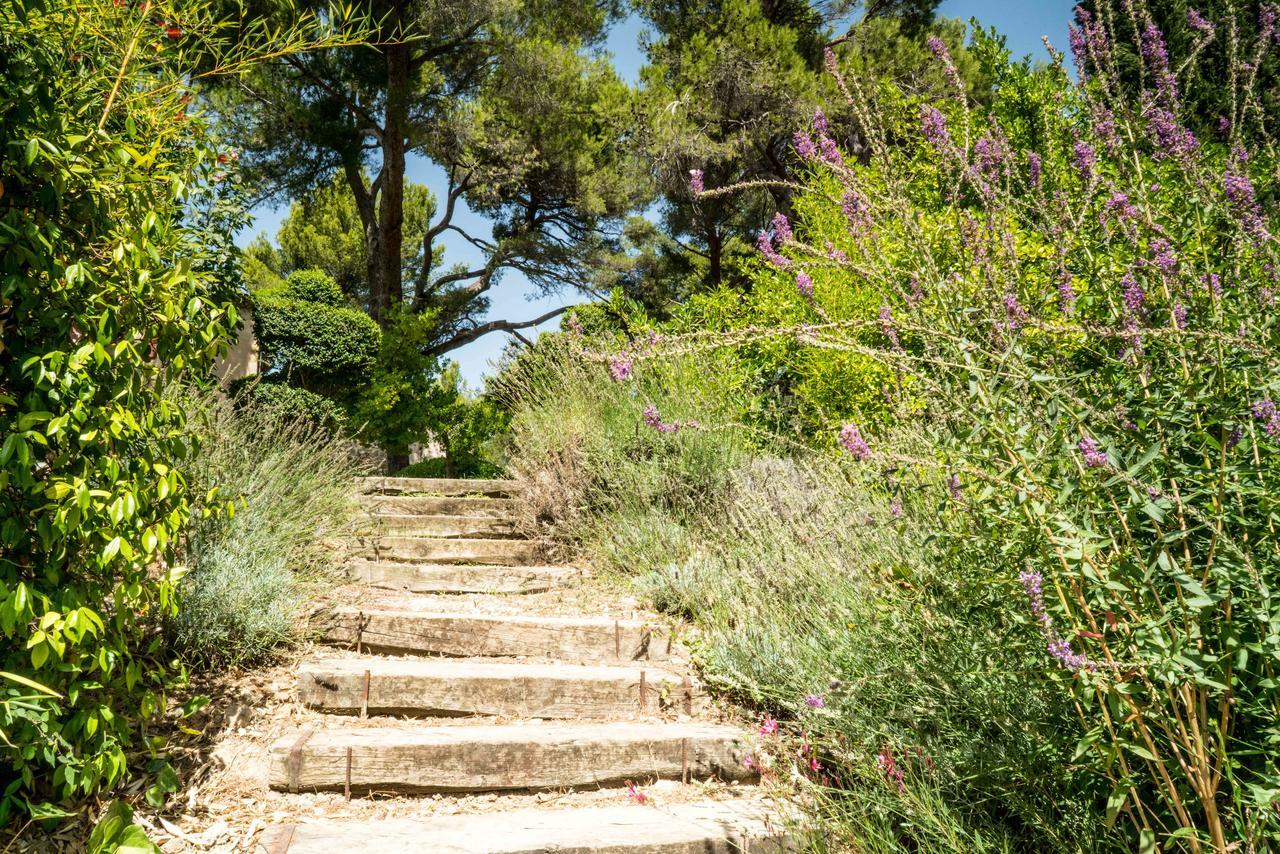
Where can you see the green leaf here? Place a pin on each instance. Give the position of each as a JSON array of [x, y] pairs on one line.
[[1115, 801], [29, 683], [29, 154]]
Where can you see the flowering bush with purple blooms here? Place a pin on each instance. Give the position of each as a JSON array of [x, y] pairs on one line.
[[1082, 300]]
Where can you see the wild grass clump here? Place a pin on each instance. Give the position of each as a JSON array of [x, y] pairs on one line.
[[820, 604], [277, 487], [581, 440]]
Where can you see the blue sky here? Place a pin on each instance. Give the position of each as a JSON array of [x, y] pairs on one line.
[[1023, 23]]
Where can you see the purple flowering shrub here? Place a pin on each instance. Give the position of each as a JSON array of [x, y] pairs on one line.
[[1074, 299]]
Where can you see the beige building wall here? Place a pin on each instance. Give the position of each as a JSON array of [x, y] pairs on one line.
[[242, 360]]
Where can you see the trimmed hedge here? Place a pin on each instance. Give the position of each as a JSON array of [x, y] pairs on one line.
[[310, 337], [253, 391], [314, 286]]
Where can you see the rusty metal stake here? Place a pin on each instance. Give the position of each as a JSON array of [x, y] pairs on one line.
[[688, 695], [642, 689], [346, 785], [364, 697], [359, 632], [684, 760], [617, 640]]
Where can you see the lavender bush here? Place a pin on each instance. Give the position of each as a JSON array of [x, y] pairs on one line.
[[1073, 299]]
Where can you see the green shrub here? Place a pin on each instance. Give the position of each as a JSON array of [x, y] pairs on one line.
[[1077, 306], [112, 242], [288, 481], [804, 584], [254, 391], [314, 286], [320, 347]]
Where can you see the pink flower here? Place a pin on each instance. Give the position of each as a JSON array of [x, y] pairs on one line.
[[851, 440], [813, 701], [620, 367], [634, 793], [768, 726]]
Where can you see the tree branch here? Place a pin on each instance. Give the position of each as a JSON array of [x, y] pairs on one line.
[[297, 65], [466, 336]]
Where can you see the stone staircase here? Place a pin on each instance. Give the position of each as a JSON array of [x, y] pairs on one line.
[[447, 677]]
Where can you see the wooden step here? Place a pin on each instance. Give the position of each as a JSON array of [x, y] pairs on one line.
[[435, 486], [438, 505], [494, 758], [509, 635], [461, 578], [444, 687], [414, 525], [705, 827], [440, 550]]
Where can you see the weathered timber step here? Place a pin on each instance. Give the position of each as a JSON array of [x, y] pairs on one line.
[[478, 635], [442, 550], [448, 687], [707, 827], [461, 578], [435, 486], [438, 505], [414, 525], [495, 758]]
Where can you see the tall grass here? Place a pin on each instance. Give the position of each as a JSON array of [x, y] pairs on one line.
[[277, 488], [806, 586]]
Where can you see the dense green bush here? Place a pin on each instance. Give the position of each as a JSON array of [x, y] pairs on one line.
[[314, 286], [107, 294], [115, 282], [289, 484], [309, 337], [255, 391], [803, 584], [1077, 308]]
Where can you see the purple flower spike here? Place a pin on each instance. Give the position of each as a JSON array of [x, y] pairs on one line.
[[695, 181], [1265, 411], [856, 212], [934, 126], [886, 324], [1093, 457], [1066, 293], [1084, 158], [830, 153], [820, 121], [851, 440], [1198, 22], [1059, 648], [1134, 295], [620, 367], [804, 145], [781, 228], [813, 701], [804, 284], [765, 245], [1034, 167]]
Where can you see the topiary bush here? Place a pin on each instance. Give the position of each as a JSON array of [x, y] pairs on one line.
[[308, 336], [290, 400], [314, 286], [316, 345]]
